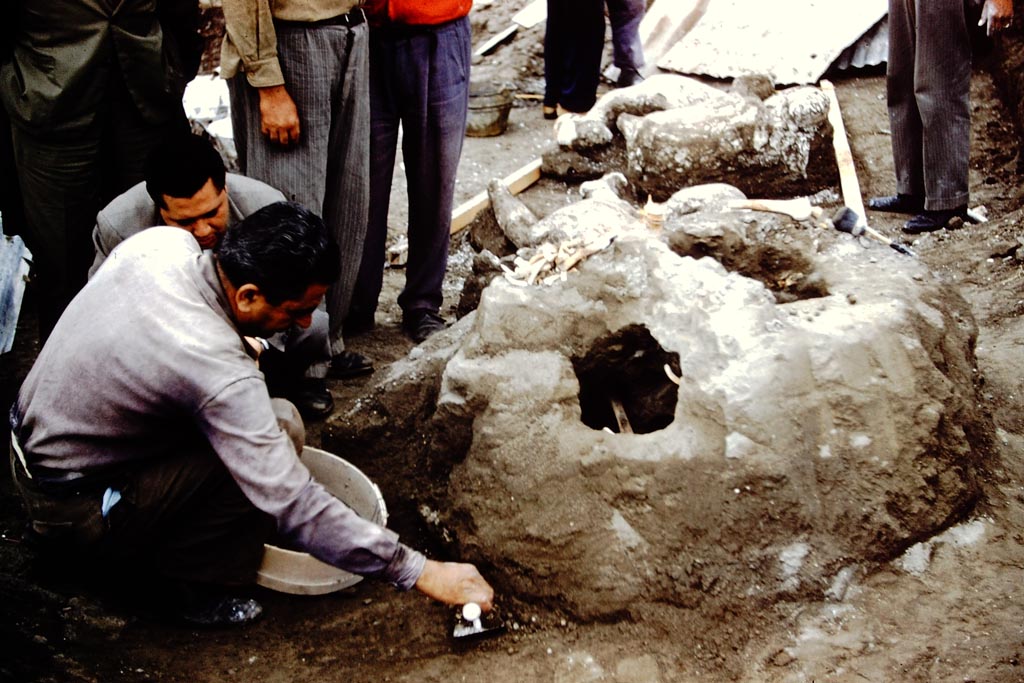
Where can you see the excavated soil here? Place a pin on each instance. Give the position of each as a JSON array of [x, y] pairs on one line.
[[951, 612]]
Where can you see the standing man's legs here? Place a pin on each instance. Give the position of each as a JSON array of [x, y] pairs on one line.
[[326, 71], [627, 50], [65, 180], [928, 87], [904, 117], [942, 84], [433, 127], [385, 119]]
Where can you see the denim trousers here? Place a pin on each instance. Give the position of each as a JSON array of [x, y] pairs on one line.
[[625, 17]]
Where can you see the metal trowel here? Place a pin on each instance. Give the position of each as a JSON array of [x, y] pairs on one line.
[[471, 623]]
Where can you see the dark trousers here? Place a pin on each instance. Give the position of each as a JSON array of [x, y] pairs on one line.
[[181, 518], [65, 180], [419, 79], [625, 17], [928, 82], [573, 43]]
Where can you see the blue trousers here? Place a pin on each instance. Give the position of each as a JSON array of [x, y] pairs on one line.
[[928, 81], [625, 17], [419, 79]]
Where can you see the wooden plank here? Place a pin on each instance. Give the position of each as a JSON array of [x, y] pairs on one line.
[[496, 40], [516, 182], [532, 14], [844, 157], [14, 267]]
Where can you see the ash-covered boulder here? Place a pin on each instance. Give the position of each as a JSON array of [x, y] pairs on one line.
[[677, 131], [554, 446], [779, 147]]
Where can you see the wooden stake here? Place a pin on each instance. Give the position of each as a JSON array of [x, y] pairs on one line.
[[844, 157]]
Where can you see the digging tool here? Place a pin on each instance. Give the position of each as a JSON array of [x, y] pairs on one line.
[[471, 623], [799, 209], [848, 220]]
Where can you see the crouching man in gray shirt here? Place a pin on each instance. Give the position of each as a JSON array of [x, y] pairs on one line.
[[186, 186], [144, 435]]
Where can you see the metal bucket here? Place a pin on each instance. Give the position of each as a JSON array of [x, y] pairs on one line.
[[488, 110], [289, 571]]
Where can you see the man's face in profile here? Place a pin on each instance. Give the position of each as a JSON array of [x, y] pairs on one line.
[[204, 214]]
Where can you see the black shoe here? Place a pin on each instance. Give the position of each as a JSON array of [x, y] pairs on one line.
[[221, 610], [898, 203], [930, 221], [550, 113], [348, 364], [421, 324], [628, 77], [312, 398]]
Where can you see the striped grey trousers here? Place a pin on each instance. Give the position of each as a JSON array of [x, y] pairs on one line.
[[928, 82], [326, 71]]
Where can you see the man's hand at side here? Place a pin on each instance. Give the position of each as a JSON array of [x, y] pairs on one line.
[[278, 114], [455, 583]]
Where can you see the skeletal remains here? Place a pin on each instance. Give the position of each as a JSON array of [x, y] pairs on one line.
[[548, 263]]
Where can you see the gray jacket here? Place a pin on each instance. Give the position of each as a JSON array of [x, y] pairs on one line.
[[134, 211], [147, 363]]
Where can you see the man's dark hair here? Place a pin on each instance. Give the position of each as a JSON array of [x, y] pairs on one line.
[[179, 167], [283, 249]]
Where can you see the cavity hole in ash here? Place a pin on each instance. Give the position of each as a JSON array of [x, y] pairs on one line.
[[623, 384]]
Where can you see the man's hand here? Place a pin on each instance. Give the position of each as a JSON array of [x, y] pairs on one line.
[[455, 583], [996, 15], [278, 115]]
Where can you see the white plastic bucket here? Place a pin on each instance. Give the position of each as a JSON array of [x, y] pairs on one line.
[[299, 573]]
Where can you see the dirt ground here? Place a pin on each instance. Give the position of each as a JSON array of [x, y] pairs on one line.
[[960, 618]]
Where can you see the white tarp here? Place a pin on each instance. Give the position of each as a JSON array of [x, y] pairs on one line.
[[793, 41]]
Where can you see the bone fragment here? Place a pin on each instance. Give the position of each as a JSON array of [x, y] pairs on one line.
[[671, 375], [549, 263], [621, 417]]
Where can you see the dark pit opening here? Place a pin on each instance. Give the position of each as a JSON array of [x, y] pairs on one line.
[[623, 383]]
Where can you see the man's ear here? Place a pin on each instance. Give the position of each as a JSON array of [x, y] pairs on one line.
[[248, 298]]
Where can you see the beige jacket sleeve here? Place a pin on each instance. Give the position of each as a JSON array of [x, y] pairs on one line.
[[250, 43]]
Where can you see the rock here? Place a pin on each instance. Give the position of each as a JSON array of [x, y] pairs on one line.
[[485, 234], [579, 133], [601, 214], [803, 436], [642, 669], [659, 92], [485, 267], [514, 218], [780, 147], [753, 86], [711, 197], [573, 167]]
